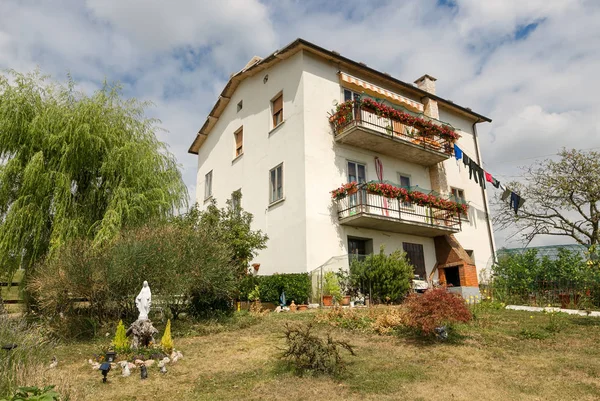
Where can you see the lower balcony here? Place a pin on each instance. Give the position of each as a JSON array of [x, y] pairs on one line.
[[368, 210]]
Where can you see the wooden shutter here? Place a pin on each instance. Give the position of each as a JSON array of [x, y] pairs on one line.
[[239, 141], [416, 257], [278, 104]]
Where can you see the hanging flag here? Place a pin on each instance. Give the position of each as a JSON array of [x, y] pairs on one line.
[[488, 177]]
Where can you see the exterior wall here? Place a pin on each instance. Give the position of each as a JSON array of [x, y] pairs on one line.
[[303, 229], [474, 235], [264, 149], [326, 169]]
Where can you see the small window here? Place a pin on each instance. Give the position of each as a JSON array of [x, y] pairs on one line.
[[277, 106], [405, 183], [459, 196], [239, 142], [208, 185], [276, 183], [471, 255], [404, 180], [240, 105], [236, 200]]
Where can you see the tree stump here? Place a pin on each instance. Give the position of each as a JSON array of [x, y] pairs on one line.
[[143, 333]]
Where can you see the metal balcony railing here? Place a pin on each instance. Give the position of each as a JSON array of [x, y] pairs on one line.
[[393, 129], [367, 204]]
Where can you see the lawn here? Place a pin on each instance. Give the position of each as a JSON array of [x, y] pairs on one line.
[[502, 355]]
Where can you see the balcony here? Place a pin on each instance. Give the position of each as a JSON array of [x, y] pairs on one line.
[[392, 132], [369, 210]]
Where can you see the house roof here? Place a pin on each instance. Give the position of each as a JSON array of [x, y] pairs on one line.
[[256, 65]]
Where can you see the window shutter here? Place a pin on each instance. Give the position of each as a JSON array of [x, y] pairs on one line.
[[239, 138], [278, 104]]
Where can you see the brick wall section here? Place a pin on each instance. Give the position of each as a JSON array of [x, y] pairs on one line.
[[450, 253]]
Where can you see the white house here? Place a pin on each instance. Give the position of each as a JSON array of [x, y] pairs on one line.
[[270, 136]]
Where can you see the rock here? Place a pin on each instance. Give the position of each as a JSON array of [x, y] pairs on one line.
[[95, 366], [143, 333], [139, 362], [163, 369], [278, 309], [149, 362], [166, 360], [131, 365], [176, 355]]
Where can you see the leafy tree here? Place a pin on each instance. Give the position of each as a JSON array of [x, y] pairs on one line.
[[562, 199], [232, 224], [387, 277], [76, 166]]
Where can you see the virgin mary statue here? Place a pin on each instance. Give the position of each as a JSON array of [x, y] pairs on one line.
[[143, 301]]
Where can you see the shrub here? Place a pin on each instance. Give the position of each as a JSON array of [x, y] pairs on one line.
[[166, 341], [391, 319], [345, 318], [120, 342], [21, 365], [307, 352], [387, 277], [46, 393], [297, 287], [435, 308], [186, 267]]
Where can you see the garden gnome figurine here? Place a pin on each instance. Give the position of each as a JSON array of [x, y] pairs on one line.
[[143, 372], [125, 368], [143, 301]]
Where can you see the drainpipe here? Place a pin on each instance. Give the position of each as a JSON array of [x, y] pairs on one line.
[[485, 200]]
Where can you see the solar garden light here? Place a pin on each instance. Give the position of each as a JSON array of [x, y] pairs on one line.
[[105, 367]]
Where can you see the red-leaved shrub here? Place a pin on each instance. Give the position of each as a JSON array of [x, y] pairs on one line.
[[435, 308]]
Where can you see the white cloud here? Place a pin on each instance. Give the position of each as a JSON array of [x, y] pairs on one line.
[[541, 90]]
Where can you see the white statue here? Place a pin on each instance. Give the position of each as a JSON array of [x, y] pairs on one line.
[[143, 301]]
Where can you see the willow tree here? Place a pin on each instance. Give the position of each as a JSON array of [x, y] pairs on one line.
[[76, 166], [562, 198]]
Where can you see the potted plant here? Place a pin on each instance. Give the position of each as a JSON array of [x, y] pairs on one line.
[[343, 277], [331, 289]]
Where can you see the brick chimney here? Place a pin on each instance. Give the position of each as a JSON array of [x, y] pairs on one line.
[[426, 83]]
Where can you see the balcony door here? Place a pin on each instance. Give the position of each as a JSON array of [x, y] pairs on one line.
[[416, 257], [357, 172]]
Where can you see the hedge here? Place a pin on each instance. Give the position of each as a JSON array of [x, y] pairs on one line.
[[297, 287]]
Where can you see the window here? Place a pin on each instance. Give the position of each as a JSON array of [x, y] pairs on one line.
[[208, 185], [404, 180], [276, 183], [236, 200], [459, 196], [360, 247], [239, 142], [416, 257], [357, 172], [404, 183], [471, 255], [277, 106], [240, 105], [350, 95]]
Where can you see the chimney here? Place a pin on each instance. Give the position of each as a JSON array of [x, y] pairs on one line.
[[426, 83]]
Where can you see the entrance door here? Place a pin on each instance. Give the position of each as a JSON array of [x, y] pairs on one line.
[[416, 257]]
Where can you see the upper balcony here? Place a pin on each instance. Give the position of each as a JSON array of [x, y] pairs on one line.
[[388, 208], [371, 125]]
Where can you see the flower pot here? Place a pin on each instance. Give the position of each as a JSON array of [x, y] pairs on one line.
[[302, 307], [346, 300], [327, 300]]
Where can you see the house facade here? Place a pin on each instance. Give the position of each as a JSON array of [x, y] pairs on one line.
[[289, 129]]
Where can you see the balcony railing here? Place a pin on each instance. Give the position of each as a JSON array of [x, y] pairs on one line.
[[367, 210], [395, 128]]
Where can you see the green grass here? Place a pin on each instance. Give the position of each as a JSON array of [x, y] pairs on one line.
[[489, 359]]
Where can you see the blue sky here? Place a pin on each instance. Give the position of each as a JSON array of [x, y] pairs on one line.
[[529, 65]]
